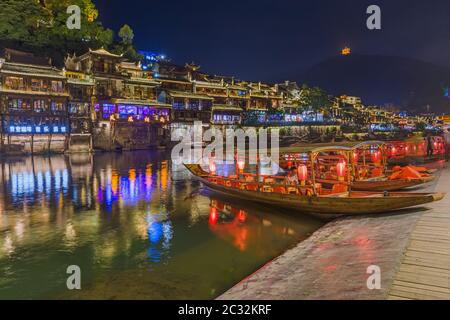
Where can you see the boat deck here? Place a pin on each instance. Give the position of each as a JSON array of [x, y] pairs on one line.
[[425, 270]]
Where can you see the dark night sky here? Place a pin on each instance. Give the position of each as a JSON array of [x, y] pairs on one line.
[[261, 40]]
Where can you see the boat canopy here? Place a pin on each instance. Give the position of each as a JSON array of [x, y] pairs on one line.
[[314, 148], [369, 143]]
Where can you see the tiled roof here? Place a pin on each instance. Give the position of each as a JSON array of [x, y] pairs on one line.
[[190, 95], [226, 107], [31, 70]]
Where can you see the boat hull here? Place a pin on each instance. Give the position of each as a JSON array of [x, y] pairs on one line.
[[357, 203], [389, 185]]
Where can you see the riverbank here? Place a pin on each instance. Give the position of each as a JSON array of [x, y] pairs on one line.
[[333, 262]]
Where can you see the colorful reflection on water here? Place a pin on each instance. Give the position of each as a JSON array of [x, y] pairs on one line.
[[138, 227]]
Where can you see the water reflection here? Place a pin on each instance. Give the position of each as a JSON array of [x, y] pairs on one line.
[[137, 225]]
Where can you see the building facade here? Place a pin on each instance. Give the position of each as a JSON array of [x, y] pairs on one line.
[[126, 113], [33, 104]]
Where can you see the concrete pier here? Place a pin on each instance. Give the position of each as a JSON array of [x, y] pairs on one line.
[[411, 248]]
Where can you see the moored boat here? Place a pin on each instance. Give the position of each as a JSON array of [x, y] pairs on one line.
[[309, 195], [369, 160], [369, 168]]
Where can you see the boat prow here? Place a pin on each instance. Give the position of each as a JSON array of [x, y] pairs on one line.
[[438, 196]]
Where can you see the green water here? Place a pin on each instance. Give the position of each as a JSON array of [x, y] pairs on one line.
[[136, 225]]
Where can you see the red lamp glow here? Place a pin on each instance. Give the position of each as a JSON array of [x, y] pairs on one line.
[[212, 166], [302, 173], [341, 169], [242, 216], [241, 165], [213, 216], [376, 156], [393, 151], [355, 157]]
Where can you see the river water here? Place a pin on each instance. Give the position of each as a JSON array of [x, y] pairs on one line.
[[137, 226]]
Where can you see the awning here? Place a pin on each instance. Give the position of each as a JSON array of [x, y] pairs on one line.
[[223, 107], [189, 95], [150, 103]]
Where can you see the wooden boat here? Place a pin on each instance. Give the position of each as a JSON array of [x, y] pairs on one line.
[[382, 182], [362, 159], [311, 198]]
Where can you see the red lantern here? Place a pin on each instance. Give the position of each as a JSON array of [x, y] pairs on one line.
[[213, 216], [341, 169], [212, 166], [302, 173], [355, 157], [241, 165], [376, 156], [393, 151], [242, 216]]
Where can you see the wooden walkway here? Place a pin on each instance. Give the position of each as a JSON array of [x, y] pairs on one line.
[[425, 270]]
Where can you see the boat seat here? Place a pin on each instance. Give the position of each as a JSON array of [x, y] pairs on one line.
[[292, 190], [306, 192], [339, 188], [251, 187], [269, 180], [279, 190], [236, 184], [249, 179], [213, 180], [377, 172]]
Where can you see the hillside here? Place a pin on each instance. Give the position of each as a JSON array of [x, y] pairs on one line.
[[410, 83]]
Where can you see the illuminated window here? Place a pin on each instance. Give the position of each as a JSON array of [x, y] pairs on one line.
[[14, 83], [57, 106], [57, 86], [38, 85], [19, 104], [39, 106]]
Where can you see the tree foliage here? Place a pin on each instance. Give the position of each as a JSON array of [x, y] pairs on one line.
[[126, 34], [40, 26], [314, 99], [125, 45]]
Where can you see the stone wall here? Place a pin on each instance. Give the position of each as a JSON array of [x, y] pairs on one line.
[[129, 136], [36, 144]]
